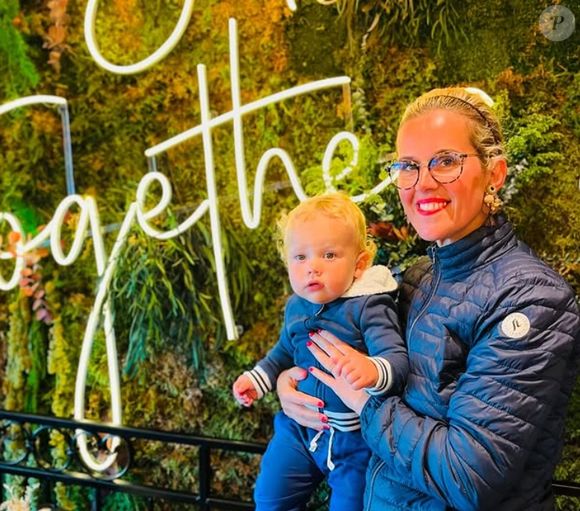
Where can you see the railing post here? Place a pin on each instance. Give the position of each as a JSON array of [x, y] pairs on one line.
[[204, 476], [96, 504]]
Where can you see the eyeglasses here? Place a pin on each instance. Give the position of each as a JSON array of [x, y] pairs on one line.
[[444, 168]]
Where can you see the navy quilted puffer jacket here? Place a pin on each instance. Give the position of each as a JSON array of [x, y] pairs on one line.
[[493, 337]]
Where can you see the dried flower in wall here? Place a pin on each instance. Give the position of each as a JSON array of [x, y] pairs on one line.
[[31, 277], [55, 37]]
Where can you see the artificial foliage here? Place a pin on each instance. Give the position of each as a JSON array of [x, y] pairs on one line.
[[177, 365]]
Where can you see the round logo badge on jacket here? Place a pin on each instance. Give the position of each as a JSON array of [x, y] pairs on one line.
[[515, 325]]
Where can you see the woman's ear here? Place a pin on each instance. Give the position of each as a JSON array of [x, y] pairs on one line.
[[363, 261], [498, 172]]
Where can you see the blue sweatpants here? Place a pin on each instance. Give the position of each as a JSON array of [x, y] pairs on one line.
[[289, 472]]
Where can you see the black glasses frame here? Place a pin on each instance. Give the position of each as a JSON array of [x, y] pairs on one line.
[[462, 156]]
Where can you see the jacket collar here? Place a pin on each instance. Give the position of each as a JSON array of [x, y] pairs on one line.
[[476, 249], [375, 280]]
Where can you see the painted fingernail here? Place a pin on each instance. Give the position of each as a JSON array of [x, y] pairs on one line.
[[326, 426], [320, 404], [324, 419], [318, 330], [308, 343], [311, 333], [311, 369]]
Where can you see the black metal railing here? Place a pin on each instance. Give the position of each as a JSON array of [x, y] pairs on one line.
[[31, 434]]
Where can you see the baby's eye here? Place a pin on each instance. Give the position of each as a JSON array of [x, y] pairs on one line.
[[329, 255], [299, 257]]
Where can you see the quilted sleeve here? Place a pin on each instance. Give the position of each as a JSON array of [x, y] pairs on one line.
[[520, 368], [385, 343]]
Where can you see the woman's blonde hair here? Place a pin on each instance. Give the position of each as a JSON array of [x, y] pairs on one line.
[[335, 205], [486, 136]]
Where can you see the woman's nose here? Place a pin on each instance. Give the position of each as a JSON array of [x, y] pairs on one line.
[[426, 180]]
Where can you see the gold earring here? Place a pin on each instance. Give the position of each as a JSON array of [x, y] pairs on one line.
[[491, 199]]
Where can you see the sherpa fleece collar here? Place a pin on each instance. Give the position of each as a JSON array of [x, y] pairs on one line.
[[375, 280]]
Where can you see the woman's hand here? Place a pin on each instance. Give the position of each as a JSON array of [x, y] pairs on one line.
[[334, 354], [295, 403]]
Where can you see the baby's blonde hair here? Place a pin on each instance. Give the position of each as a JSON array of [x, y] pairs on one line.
[[336, 205]]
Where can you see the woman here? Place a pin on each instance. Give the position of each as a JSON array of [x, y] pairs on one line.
[[493, 334]]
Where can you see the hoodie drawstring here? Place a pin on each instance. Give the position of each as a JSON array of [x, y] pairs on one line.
[[314, 445]]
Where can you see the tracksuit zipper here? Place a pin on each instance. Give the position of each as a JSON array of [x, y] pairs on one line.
[[437, 277], [320, 387]]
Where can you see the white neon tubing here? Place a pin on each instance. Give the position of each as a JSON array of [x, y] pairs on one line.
[[97, 235], [88, 213], [101, 304], [143, 188], [329, 153], [156, 56], [374, 191], [7, 285], [231, 330], [248, 108], [39, 239], [63, 107], [252, 221], [327, 160], [32, 100], [143, 216], [293, 7], [80, 232]]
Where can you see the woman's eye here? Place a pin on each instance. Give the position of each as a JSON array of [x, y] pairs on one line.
[[446, 160], [405, 166]]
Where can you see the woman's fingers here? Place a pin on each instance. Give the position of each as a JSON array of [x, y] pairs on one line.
[[305, 416], [297, 405], [325, 378], [340, 346], [354, 399], [287, 384], [321, 355], [332, 345]]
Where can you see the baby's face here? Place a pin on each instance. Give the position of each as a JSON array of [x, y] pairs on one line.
[[322, 258]]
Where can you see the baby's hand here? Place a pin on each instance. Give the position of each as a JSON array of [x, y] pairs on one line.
[[244, 391], [357, 370]]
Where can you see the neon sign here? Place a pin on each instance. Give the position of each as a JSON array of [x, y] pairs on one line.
[[138, 213]]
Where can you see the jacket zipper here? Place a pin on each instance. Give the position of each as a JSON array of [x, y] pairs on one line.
[[437, 275], [437, 278], [320, 387], [374, 475], [433, 256]]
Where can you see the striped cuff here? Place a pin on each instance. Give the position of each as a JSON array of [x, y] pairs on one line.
[[385, 380], [260, 380]]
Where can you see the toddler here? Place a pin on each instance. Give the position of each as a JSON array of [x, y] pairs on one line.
[[325, 246]]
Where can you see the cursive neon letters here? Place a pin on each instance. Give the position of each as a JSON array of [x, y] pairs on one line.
[[88, 220]]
